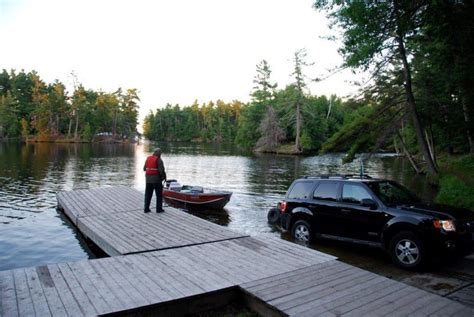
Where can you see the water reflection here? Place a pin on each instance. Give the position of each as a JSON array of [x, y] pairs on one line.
[[32, 232]]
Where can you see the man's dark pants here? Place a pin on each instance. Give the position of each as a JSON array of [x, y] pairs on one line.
[[158, 188]]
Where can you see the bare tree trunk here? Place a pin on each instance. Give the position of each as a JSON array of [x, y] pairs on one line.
[[329, 109], [410, 102], [467, 120], [70, 127], [161, 126], [429, 142], [395, 145], [298, 127], [77, 125], [115, 123], [408, 155]]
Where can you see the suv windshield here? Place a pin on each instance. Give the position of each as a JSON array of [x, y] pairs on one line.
[[392, 193]]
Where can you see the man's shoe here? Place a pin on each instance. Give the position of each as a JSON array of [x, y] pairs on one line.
[[160, 211], [147, 210]]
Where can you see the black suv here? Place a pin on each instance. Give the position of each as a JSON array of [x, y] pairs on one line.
[[375, 212]]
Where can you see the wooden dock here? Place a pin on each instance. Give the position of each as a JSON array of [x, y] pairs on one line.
[[173, 264], [113, 218], [334, 288]]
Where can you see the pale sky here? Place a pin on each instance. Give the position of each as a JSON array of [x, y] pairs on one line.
[[172, 51]]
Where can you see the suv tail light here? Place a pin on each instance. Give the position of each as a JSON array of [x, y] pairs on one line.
[[282, 205]]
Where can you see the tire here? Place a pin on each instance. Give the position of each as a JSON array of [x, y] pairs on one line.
[[273, 216], [407, 250], [301, 231]]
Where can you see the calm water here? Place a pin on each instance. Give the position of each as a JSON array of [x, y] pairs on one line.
[[33, 232]]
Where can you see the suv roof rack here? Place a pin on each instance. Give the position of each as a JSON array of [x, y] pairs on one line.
[[337, 176]]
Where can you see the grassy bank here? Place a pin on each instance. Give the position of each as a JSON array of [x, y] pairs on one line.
[[456, 181]]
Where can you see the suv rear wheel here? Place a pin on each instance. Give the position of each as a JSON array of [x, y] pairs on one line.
[[301, 231], [407, 250]]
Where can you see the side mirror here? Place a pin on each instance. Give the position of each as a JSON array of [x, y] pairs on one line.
[[367, 202]]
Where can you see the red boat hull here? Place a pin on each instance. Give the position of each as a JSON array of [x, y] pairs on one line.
[[216, 200]]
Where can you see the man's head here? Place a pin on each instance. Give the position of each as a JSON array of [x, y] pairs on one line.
[[157, 152]]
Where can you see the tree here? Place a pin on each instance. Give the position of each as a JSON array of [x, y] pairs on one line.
[[79, 104], [299, 60], [264, 90], [262, 96], [9, 123], [58, 106], [129, 109], [444, 70], [272, 133], [380, 35], [42, 114]]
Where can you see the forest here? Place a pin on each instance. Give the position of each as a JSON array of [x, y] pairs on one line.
[[418, 100], [265, 124], [33, 110]]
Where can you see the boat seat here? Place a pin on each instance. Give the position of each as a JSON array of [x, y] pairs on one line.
[[197, 189], [175, 186]]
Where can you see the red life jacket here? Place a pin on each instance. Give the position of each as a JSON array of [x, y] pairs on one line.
[[151, 165]]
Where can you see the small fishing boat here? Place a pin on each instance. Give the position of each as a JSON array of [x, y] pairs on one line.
[[195, 195]]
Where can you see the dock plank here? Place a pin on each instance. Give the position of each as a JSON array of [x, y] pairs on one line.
[[150, 291], [134, 292], [80, 295], [205, 279], [328, 286], [65, 295], [286, 278], [90, 289], [152, 271], [379, 307], [301, 282], [24, 298], [38, 297], [100, 283], [133, 262], [8, 298], [161, 274], [347, 302]]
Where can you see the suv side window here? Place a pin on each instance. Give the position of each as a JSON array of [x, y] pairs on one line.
[[326, 191], [354, 194], [300, 190]]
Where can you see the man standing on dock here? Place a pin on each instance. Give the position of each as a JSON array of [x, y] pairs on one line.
[[155, 175]]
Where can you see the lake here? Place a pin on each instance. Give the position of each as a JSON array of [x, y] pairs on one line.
[[33, 232]]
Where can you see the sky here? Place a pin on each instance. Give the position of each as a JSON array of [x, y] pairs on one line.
[[174, 51]]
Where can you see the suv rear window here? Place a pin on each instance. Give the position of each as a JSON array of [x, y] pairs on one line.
[[301, 190], [326, 191]]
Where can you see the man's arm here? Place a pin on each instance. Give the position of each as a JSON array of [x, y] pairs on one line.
[[161, 169]]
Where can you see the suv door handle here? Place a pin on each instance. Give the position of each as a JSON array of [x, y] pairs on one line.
[[345, 211]]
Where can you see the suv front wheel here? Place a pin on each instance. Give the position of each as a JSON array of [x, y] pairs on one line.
[[301, 231], [407, 250]]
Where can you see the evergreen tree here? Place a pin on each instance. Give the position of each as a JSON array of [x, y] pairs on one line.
[[9, 123], [262, 96]]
